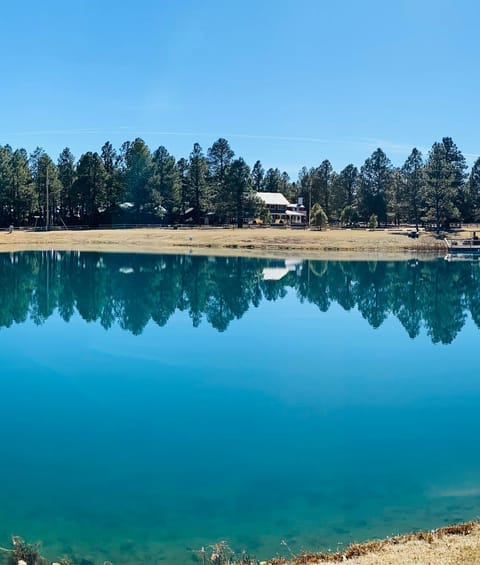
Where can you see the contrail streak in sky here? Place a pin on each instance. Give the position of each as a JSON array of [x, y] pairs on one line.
[[371, 143]]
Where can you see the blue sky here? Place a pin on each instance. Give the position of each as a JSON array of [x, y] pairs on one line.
[[289, 82]]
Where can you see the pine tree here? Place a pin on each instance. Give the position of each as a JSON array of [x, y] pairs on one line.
[[238, 196], [439, 191], [258, 173], [185, 193], [397, 201], [138, 176], [344, 192], [66, 176], [219, 157], [197, 173], [305, 188], [413, 178], [47, 186], [374, 183], [273, 182], [90, 186], [23, 194], [322, 186], [459, 186], [474, 190], [167, 181], [5, 185], [114, 186]]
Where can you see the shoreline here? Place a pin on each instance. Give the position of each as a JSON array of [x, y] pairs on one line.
[[456, 544], [265, 242]]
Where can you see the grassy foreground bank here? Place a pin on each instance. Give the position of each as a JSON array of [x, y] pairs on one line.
[[452, 545], [246, 241], [457, 544]]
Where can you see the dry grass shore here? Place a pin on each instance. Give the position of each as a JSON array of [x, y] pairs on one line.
[[452, 545], [247, 241]]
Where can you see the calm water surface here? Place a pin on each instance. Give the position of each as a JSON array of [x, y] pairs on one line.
[[152, 405]]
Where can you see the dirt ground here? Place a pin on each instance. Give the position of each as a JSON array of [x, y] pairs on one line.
[[246, 241], [452, 545]]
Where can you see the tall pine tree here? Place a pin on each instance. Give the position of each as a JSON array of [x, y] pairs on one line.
[[439, 191], [413, 178], [374, 183]]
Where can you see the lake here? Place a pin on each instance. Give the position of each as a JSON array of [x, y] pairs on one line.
[[152, 405]]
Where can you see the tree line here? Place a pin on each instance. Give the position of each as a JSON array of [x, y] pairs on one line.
[[437, 190], [103, 287], [137, 185], [130, 184]]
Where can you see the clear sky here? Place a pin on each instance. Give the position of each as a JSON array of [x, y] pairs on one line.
[[289, 82]]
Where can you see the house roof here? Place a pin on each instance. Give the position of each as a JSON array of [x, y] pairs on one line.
[[293, 213], [273, 198]]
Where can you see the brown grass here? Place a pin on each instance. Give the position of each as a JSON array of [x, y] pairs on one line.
[[452, 545], [247, 241]]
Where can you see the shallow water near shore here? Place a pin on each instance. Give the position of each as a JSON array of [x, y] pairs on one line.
[[152, 405]]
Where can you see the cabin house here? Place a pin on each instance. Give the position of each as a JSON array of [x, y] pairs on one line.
[[280, 209], [276, 204]]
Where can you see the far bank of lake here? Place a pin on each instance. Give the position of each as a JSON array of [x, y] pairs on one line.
[[346, 243]]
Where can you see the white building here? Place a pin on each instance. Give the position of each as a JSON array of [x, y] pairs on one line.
[[280, 209]]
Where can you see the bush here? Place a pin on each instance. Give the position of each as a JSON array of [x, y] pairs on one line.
[[318, 217], [373, 221]]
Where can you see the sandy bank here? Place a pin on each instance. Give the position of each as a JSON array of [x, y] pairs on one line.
[[255, 242], [452, 545]]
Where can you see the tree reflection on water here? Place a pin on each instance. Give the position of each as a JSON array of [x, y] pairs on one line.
[[132, 289]]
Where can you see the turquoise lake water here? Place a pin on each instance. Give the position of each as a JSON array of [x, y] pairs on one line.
[[152, 405]]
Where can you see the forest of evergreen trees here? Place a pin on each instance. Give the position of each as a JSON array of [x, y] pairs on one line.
[[137, 185]]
